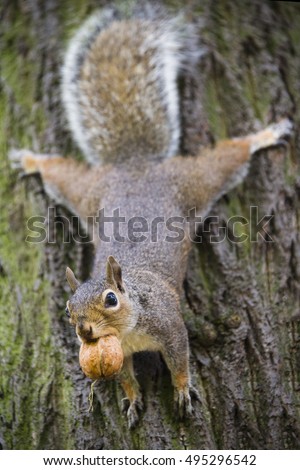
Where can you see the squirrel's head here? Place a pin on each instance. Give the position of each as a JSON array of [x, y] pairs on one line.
[[100, 307]]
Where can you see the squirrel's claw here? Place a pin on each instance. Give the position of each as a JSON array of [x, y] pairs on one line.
[[183, 403], [133, 412], [125, 403], [132, 416], [195, 395]]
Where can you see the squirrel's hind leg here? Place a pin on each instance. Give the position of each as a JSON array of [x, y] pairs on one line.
[[275, 134], [27, 161], [61, 177], [132, 403]]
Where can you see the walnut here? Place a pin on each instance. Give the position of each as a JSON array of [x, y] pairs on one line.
[[102, 358]]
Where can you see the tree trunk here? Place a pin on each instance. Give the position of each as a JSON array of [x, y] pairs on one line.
[[241, 302]]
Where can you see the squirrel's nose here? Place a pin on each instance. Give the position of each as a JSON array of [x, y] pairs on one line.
[[85, 330]]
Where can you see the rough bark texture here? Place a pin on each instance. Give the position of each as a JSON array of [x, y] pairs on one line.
[[241, 301]]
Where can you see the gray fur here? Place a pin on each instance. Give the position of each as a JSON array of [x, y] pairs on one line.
[[162, 46]]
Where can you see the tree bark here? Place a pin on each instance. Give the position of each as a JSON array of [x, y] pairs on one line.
[[241, 302]]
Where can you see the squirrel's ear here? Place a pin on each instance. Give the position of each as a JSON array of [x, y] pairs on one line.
[[114, 273], [73, 283]]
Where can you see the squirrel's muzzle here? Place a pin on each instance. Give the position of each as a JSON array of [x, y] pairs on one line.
[[85, 331]]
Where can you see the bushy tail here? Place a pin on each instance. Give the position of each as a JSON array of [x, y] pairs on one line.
[[120, 86]]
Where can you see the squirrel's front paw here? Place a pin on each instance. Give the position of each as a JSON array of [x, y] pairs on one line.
[[132, 410], [183, 404]]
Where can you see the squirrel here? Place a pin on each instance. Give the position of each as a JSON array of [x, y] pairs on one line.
[[119, 89]]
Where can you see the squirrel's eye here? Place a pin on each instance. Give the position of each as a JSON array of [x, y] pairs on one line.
[[111, 300], [67, 312]]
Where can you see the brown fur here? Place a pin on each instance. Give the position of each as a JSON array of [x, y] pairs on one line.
[[119, 87]]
